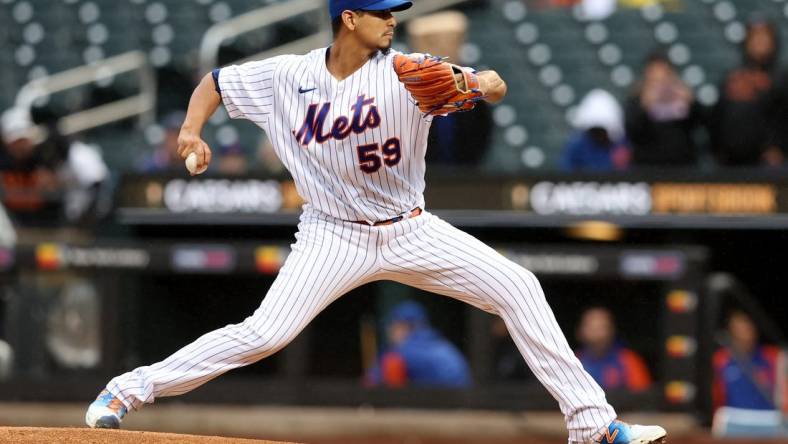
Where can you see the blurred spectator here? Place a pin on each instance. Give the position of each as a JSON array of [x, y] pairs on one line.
[[744, 125], [164, 157], [231, 160], [509, 362], [267, 160], [7, 231], [598, 142], [593, 9], [85, 175], [46, 177], [597, 9], [28, 170], [7, 241], [643, 3], [417, 354], [662, 117], [612, 365], [459, 138], [6, 360], [744, 370]]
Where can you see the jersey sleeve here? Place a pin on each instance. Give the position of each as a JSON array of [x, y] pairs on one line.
[[248, 90]]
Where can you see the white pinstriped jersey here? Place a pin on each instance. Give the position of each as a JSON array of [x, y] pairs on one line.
[[355, 147]]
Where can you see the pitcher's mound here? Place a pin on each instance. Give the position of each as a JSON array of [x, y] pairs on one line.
[[84, 435]]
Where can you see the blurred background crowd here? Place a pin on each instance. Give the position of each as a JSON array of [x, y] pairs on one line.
[[595, 85]]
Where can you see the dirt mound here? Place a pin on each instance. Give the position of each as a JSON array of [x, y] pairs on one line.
[[84, 435]]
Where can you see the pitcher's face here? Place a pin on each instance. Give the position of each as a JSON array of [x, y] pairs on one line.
[[376, 28]]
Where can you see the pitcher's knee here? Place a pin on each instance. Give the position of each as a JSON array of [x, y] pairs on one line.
[[529, 276], [524, 286], [530, 282], [267, 338]]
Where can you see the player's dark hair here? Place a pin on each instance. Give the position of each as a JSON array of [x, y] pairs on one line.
[[337, 23], [336, 26]]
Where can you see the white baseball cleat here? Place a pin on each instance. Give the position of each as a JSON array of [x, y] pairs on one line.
[[106, 412]]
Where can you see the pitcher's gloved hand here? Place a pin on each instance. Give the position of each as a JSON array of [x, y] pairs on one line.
[[439, 88]]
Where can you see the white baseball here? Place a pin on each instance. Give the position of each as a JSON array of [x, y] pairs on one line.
[[191, 162]]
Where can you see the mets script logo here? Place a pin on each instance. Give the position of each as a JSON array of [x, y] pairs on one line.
[[314, 123]]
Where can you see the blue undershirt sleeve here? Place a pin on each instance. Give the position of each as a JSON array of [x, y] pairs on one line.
[[215, 74]]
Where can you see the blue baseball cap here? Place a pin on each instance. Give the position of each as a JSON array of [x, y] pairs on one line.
[[408, 311], [337, 6]]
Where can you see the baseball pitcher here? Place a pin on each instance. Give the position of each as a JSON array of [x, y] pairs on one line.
[[350, 123]]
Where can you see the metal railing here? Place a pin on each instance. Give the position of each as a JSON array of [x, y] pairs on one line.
[[142, 104], [218, 34]]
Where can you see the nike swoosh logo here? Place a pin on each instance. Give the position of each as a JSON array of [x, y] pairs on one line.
[[304, 91]]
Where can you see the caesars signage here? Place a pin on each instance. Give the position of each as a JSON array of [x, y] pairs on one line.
[[542, 197], [223, 196], [641, 198], [591, 198]]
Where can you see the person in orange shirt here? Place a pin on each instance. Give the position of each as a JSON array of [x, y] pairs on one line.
[[612, 365]]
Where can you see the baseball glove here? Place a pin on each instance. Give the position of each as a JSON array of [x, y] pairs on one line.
[[440, 88]]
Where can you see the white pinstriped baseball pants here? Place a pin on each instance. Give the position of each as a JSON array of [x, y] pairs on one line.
[[331, 257]]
